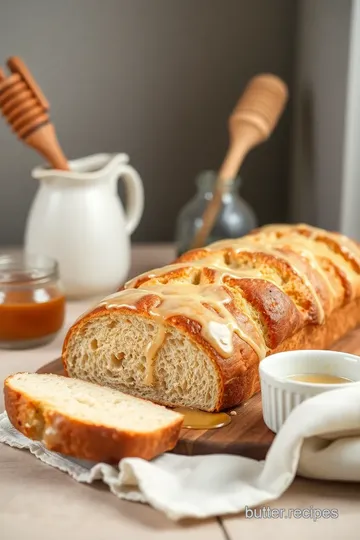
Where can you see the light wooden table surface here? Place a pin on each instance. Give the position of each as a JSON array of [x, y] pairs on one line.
[[38, 502]]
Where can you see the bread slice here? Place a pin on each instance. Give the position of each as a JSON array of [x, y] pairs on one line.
[[87, 421], [193, 332]]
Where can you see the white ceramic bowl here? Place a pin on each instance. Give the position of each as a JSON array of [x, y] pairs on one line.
[[280, 395]]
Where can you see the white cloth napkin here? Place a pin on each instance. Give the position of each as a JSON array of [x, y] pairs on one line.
[[320, 439]]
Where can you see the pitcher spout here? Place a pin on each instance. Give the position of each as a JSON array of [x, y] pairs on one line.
[[94, 168]]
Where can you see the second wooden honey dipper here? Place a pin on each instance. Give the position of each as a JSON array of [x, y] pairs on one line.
[[252, 122], [26, 110]]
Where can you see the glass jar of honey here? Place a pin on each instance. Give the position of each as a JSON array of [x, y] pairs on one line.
[[32, 302]]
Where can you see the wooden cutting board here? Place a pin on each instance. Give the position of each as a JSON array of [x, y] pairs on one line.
[[246, 435]]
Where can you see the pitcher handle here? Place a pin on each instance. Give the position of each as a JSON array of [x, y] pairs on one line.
[[134, 190]]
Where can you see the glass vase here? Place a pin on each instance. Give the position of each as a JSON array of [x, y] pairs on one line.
[[235, 218]]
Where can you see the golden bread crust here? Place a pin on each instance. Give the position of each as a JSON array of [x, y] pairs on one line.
[[69, 436], [288, 287]]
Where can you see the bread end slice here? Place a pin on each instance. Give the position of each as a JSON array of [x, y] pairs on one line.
[[86, 421]]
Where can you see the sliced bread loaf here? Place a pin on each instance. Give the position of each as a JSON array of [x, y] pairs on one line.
[[87, 421], [194, 332]]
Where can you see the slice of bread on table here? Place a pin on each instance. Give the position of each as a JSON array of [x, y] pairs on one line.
[[87, 421]]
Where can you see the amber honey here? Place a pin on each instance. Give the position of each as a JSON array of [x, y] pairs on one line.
[[32, 304], [319, 378], [195, 419]]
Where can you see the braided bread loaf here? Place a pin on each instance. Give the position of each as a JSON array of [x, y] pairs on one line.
[[193, 333]]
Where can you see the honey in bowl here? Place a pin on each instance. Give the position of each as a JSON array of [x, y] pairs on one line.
[[319, 378], [195, 419], [32, 303]]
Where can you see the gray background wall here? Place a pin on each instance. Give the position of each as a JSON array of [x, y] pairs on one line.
[[325, 188], [153, 78], [320, 100]]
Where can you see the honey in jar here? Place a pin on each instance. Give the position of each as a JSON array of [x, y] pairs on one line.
[[32, 302]]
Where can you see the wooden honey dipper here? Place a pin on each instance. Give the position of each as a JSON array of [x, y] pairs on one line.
[[252, 121], [26, 110]]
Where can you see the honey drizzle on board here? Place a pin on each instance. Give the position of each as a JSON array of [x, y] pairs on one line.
[[195, 419], [189, 300]]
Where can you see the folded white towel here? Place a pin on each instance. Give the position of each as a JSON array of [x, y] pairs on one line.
[[320, 439]]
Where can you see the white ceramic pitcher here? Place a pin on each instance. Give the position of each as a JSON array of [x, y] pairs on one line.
[[78, 219]]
